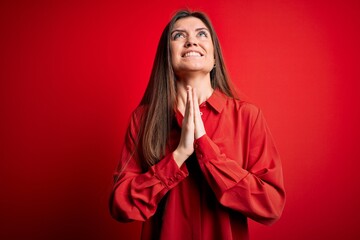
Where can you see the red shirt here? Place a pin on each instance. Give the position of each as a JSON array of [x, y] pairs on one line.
[[234, 173]]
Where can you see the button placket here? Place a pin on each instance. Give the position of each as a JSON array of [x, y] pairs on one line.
[[170, 181], [201, 107], [177, 176]]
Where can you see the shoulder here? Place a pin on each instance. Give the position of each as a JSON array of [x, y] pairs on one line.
[[227, 104], [241, 107], [246, 107], [138, 113], [246, 113], [136, 117]]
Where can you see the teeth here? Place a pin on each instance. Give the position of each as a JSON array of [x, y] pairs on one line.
[[192, 54]]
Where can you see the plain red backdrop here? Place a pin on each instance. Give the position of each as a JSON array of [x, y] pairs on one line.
[[72, 72]]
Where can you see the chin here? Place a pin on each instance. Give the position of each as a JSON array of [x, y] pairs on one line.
[[195, 67]]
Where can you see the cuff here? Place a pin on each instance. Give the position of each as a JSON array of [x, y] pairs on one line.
[[205, 149], [168, 172]]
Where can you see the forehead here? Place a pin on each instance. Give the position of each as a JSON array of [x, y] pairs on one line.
[[189, 23]]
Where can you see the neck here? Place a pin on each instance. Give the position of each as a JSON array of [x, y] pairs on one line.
[[202, 87]]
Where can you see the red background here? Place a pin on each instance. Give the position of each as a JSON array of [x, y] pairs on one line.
[[72, 72]]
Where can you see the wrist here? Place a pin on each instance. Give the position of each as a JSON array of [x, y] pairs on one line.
[[180, 156], [199, 134]]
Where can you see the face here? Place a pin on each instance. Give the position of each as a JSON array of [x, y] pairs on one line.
[[191, 47]]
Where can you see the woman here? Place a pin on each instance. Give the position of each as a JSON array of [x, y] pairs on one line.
[[196, 160]]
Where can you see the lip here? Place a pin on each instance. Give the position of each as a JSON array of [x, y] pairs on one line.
[[189, 51]]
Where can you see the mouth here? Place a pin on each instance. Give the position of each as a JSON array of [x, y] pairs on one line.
[[192, 54]]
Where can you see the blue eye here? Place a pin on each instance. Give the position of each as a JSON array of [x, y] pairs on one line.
[[203, 34], [177, 35]]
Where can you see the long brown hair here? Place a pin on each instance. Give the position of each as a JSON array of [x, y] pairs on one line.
[[159, 98]]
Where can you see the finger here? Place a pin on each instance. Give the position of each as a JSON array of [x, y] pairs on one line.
[[199, 125], [187, 104], [191, 103], [195, 103]]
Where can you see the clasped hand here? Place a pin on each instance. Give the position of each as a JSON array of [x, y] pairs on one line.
[[192, 127]]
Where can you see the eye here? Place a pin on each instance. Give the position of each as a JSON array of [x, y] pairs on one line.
[[177, 35], [203, 34]]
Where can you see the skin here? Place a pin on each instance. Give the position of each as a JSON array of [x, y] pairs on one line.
[[190, 35]]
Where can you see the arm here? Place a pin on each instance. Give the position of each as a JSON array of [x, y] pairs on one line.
[[136, 194], [256, 191]]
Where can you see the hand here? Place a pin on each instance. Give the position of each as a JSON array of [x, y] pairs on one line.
[[192, 128], [199, 125]]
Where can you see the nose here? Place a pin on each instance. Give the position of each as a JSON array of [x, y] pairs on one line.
[[191, 42]]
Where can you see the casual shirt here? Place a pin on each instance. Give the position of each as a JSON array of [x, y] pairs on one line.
[[234, 173]]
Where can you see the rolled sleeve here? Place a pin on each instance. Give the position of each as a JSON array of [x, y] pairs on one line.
[[168, 172]]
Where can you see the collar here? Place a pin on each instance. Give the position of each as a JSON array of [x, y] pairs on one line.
[[217, 100]]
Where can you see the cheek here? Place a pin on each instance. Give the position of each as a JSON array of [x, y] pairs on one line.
[[172, 54], [174, 51], [210, 49], [211, 53]]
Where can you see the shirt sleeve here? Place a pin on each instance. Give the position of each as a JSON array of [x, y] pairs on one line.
[[256, 191], [136, 194]]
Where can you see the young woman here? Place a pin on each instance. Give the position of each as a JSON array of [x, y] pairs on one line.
[[197, 161]]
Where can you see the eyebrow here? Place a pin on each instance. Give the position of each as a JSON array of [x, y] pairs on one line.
[[196, 30]]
